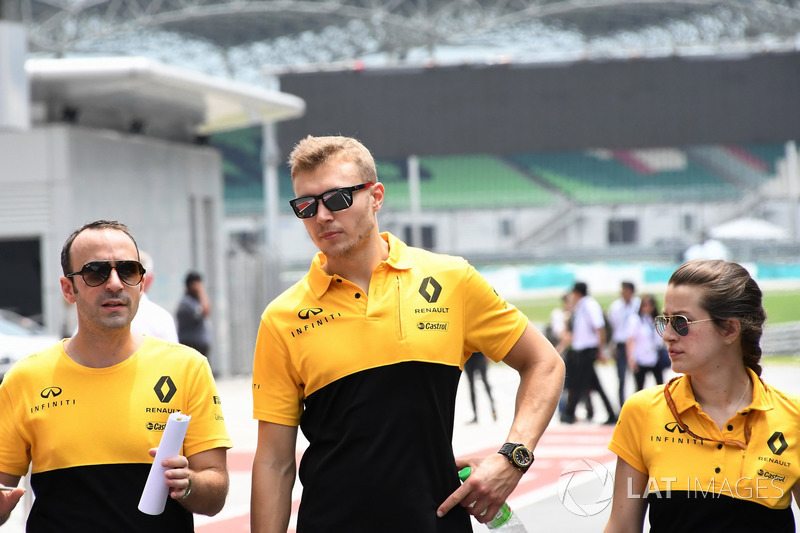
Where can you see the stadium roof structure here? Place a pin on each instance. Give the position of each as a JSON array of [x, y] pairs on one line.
[[163, 99], [243, 34]]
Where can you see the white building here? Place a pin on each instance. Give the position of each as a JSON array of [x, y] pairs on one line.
[[120, 139]]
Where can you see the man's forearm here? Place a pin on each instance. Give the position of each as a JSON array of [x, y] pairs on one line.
[[541, 373], [271, 499], [537, 399]]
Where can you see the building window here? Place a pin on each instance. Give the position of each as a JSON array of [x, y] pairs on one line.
[[623, 232], [428, 237], [688, 223], [507, 227]]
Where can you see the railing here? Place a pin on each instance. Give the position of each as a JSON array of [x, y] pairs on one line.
[[781, 339]]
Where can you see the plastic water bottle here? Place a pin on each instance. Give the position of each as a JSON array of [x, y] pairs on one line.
[[506, 520]]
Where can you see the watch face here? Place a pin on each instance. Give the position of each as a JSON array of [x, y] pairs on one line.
[[522, 456]]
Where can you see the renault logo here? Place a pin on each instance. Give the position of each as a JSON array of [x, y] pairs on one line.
[[777, 437], [308, 312], [430, 289], [50, 392], [171, 389]]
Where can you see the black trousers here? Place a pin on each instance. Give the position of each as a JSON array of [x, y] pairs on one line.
[[582, 380], [642, 372]]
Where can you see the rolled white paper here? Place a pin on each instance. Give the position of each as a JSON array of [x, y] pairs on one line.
[[156, 491]]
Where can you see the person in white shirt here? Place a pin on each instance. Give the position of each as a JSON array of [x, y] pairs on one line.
[[588, 340], [643, 343], [619, 313], [151, 318]]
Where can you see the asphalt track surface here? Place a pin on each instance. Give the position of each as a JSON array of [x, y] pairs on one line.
[[565, 491]]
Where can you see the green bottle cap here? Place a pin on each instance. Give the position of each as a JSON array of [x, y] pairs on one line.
[[464, 473]]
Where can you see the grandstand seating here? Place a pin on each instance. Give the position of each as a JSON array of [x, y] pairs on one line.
[[746, 167], [469, 181], [247, 198], [589, 178], [767, 155], [694, 174], [244, 199]]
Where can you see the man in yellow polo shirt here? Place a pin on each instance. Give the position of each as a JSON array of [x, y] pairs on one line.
[[364, 354], [86, 414]]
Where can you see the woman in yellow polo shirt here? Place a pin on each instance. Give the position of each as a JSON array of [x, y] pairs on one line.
[[715, 449]]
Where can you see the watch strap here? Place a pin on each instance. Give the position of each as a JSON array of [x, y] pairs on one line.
[[507, 450]]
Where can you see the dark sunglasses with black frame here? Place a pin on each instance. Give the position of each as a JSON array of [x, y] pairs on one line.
[[334, 200], [95, 273]]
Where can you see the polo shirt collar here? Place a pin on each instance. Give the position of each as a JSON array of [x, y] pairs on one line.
[[398, 252], [319, 281], [683, 396]]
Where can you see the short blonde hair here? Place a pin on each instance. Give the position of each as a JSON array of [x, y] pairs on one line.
[[313, 152]]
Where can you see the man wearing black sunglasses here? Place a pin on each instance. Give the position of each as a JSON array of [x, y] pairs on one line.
[[89, 412], [365, 355]]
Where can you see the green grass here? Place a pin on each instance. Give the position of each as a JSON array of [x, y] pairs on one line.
[[781, 306], [538, 310], [781, 359]]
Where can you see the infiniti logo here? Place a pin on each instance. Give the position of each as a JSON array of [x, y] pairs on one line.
[[308, 312], [672, 426], [50, 392], [51, 400], [314, 318]]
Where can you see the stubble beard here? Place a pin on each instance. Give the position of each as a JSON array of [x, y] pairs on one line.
[[118, 320], [366, 225]]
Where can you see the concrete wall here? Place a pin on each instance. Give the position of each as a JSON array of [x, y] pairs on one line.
[[478, 233], [57, 178]]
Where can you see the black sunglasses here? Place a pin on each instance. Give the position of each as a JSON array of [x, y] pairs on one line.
[[334, 200], [95, 273], [679, 323]]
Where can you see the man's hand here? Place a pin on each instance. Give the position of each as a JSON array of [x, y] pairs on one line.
[[177, 474], [487, 488], [8, 501]]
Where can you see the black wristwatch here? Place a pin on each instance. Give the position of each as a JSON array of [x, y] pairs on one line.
[[518, 455]]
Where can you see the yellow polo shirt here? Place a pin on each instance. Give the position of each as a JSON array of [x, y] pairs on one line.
[[694, 482], [86, 433], [421, 307], [372, 380]]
